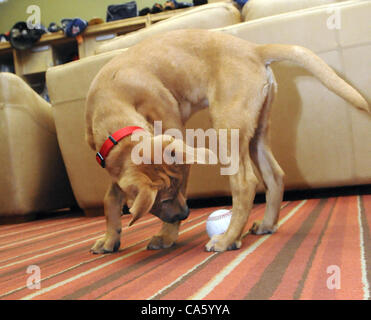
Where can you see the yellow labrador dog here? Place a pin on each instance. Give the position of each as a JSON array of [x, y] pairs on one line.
[[167, 78]]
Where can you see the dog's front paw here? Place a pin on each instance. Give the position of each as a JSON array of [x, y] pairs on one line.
[[107, 244], [219, 243], [259, 228], [160, 242]]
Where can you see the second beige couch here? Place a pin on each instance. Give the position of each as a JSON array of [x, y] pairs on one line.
[[319, 139]]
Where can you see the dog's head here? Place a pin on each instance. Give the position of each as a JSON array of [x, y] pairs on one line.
[[159, 188]]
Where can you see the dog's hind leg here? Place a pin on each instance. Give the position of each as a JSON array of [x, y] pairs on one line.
[[267, 165], [273, 179]]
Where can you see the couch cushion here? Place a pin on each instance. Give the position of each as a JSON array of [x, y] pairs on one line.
[[215, 15], [68, 94], [255, 9]]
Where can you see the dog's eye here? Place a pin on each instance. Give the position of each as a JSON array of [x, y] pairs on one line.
[[166, 199]]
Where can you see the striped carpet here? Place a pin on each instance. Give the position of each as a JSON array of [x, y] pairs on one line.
[[322, 250]]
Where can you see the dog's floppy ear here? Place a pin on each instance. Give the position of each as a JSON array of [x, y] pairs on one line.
[[176, 151], [141, 196], [143, 203]]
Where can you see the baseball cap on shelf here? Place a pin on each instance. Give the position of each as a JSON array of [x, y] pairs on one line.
[[53, 27], [199, 2], [182, 5], [169, 5], [94, 21], [74, 27], [144, 11], [22, 38], [157, 7]]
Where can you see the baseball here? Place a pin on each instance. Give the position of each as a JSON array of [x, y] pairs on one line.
[[218, 222]]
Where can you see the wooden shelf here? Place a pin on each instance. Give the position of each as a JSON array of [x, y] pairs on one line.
[[55, 48], [5, 45]]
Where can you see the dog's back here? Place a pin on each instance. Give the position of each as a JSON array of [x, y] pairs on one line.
[[187, 67], [175, 67]]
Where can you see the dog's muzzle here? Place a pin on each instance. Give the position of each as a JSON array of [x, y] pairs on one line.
[[177, 217]]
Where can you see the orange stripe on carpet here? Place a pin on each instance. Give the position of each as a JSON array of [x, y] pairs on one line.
[[200, 277], [250, 268], [291, 282], [65, 283], [339, 252]]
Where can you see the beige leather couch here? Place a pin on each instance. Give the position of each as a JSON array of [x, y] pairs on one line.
[[319, 140], [33, 176]]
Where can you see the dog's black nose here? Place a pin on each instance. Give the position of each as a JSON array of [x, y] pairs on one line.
[[184, 214]]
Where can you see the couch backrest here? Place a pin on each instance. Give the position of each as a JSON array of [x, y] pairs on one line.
[[255, 9], [215, 15]]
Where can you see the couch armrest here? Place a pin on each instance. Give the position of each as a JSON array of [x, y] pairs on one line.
[[33, 176]]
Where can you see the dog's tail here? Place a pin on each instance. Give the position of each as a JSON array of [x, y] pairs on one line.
[[311, 62]]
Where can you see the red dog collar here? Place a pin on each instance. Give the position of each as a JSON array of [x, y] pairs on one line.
[[112, 141]]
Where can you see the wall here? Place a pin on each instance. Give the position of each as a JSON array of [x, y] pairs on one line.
[[12, 11]]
